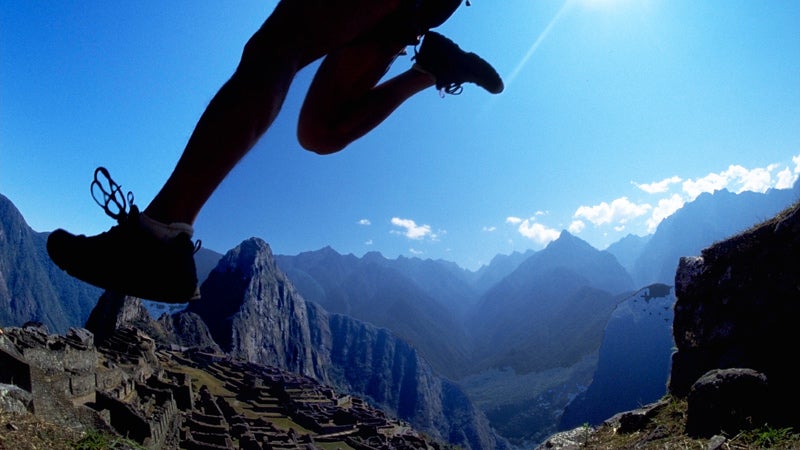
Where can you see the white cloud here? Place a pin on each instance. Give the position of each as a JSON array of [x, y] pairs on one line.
[[537, 232], [710, 183], [489, 229], [368, 242], [411, 229], [658, 187], [364, 222], [786, 179], [513, 220], [756, 180], [666, 207], [618, 211], [576, 226], [414, 251], [739, 179]]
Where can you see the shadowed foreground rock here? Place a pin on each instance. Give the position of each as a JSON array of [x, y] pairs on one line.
[[737, 307]]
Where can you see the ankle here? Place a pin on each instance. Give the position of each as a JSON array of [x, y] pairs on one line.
[[165, 231]]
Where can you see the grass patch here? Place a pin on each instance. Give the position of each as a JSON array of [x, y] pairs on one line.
[[666, 431], [96, 440], [768, 437]]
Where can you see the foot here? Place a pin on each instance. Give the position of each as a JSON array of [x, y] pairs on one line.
[[451, 66], [128, 259]]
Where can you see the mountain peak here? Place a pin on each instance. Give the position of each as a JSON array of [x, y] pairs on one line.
[[251, 254], [569, 242]]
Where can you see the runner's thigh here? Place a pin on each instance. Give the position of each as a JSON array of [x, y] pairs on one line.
[[315, 27]]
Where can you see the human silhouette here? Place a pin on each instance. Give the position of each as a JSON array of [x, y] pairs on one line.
[[150, 254]]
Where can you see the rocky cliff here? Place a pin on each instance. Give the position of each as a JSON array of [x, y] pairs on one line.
[[31, 286], [638, 338], [733, 380], [254, 313], [737, 307]]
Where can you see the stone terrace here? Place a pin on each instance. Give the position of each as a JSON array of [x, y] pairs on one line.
[[178, 398]]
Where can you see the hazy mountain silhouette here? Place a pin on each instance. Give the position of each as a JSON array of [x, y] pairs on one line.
[[628, 249], [385, 294], [568, 283], [706, 220], [442, 280], [500, 267]]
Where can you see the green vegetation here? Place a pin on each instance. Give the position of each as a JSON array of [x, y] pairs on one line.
[[96, 440], [666, 431], [768, 437]]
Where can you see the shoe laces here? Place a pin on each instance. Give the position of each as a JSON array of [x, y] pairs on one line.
[[111, 198], [116, 204], [452, 88]]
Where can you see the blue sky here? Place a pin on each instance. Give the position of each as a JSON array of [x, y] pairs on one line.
[[615, 113]]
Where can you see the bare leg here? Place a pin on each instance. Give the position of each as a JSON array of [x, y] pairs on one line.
[[297, 33], [344, 101]]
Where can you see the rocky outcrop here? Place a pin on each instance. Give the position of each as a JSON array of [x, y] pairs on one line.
[[737, 307], [727, 401], [114, 311], [254, 313]]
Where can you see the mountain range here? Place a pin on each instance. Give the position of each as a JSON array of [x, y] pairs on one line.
[[529, 338]]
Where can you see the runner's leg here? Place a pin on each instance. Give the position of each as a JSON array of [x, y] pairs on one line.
[[296, 33], [345, 101]]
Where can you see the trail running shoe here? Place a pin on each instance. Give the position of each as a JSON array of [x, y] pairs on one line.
[[452, 66], [127, 259]]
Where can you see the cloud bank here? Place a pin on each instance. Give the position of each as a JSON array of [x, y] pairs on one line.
[[662, 199]]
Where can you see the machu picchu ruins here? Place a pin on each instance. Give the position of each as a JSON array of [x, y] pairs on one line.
[[170, 397]]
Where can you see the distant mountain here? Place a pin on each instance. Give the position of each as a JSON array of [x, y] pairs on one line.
[[545, 314], [421, 302], [442, 280], [254, 312], [701, 223], [500, 267], [537, 335], [638, 338], [32, 287], [628, 249], [567, 286]]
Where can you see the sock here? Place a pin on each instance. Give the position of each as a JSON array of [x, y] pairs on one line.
[[163, 230], [419, 68]]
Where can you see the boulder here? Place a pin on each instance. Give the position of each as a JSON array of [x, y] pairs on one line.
[[727, 401]]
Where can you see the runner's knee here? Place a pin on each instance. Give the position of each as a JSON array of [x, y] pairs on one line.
[[321, 143]]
